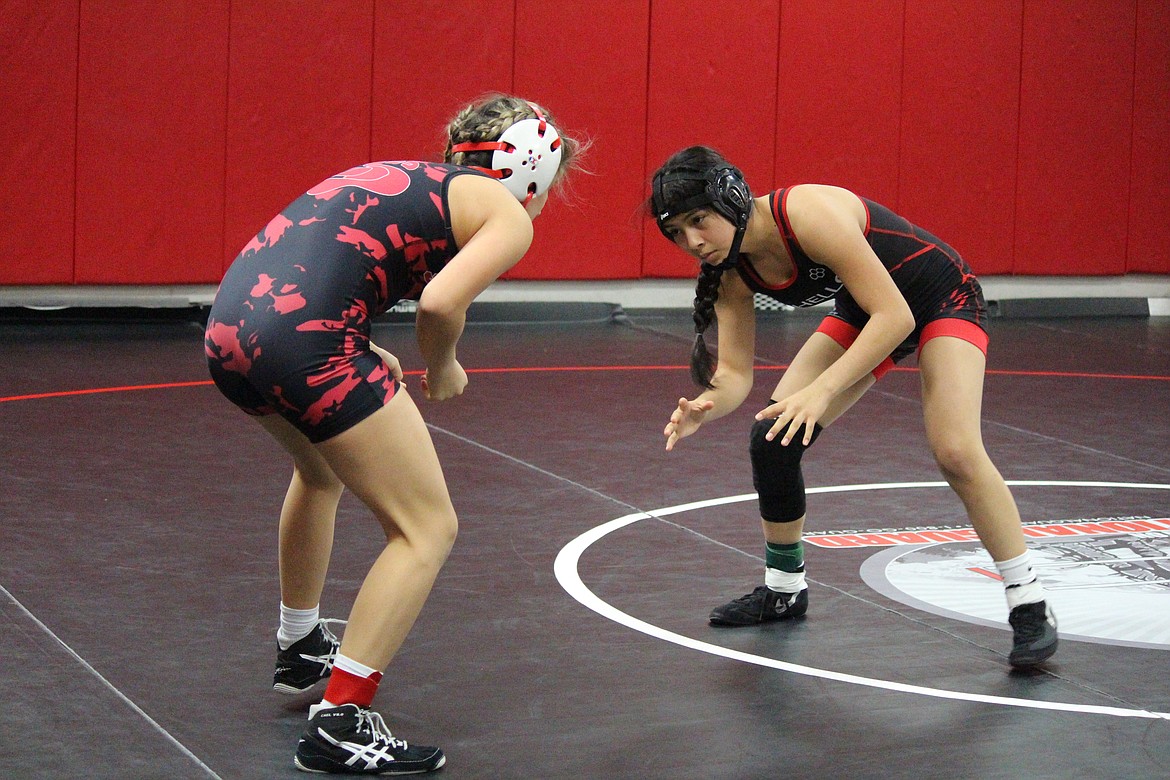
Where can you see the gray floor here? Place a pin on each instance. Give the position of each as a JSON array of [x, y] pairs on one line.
[[137, 566]]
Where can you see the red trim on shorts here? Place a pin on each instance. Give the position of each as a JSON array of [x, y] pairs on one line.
[[845, 334], [961, 329]]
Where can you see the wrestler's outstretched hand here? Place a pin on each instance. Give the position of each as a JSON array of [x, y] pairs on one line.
[[685, 420]]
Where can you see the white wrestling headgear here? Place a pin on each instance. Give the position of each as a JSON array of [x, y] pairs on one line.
[[526, 158]]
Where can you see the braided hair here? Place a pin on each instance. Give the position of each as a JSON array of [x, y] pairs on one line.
[[706, 293], [684, 182]]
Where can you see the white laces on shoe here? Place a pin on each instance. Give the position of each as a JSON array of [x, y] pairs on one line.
[[368, 719], [325, 623]]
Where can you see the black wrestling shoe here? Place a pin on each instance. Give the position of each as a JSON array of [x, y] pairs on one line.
[[351, 740], [762, 605], [1033, 635], [308, 661]]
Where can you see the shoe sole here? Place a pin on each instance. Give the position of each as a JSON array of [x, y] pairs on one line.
[[1033, 660], [297, 763], [292, 690], [731, 624], [289, 689]]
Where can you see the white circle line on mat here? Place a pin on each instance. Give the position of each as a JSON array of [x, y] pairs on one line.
[[565, 568]]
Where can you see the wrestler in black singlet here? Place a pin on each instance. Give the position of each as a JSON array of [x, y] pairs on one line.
[[289, 331], [935, 281]]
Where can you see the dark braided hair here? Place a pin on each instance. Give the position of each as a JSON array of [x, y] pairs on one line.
[[706, 293], [680, 184]]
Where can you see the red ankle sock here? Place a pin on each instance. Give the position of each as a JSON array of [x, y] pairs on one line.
[[347, 688]]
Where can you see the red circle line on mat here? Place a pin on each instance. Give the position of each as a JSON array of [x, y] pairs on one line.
[[543, 369]]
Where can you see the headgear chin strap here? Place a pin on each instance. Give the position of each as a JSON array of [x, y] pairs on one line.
[[724, 190], [525, 159], [733, 254]]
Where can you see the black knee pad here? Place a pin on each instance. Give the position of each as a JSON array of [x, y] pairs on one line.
[[776, 473]]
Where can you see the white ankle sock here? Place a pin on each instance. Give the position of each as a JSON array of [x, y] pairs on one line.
[[296, 624], [356, 668], [1016, 571], [1019, 581], [788, 582]]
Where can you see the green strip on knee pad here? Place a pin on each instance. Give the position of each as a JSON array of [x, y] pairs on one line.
[[785, 557]]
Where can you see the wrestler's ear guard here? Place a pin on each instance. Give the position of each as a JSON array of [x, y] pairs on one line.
[[525, 159]]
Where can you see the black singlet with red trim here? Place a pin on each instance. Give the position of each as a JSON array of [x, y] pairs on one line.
[[935, 281], [289, 329]]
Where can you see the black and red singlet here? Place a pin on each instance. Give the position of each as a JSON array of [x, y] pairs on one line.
[[935, 281], [290, 326]]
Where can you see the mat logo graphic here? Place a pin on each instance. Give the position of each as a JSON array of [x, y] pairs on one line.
[[1107, 579], [1072, 528]]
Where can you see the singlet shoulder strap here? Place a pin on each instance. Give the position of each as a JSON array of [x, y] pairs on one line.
[[779, 203]]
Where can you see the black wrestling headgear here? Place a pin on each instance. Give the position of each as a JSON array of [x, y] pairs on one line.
[[724, 190]]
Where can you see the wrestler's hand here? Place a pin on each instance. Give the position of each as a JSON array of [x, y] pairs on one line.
[[442, 382], [796, 415], [685, 420], [390, 360]]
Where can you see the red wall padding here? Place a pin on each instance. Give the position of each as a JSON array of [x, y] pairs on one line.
[[38, 83], [840, 93], [712, 81], [1076, 119], [957, 170], [151, 118], [568, 66], [146, 143], [430, 58], [298, 108], [1149, 237]]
